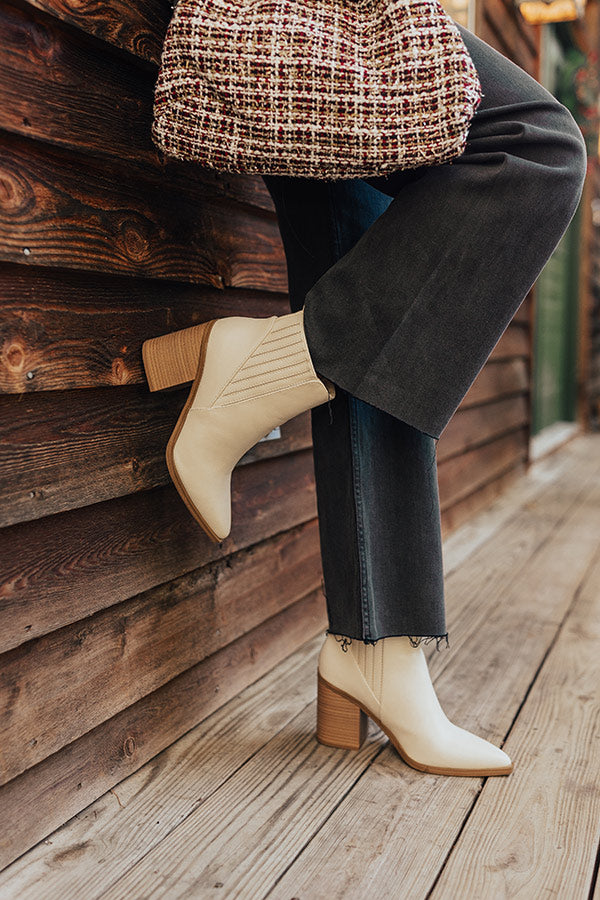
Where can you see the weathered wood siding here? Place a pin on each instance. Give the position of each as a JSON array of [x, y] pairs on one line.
[[121, 624]]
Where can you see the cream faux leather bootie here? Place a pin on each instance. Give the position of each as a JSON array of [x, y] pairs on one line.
[[249, 376], [389, 681]]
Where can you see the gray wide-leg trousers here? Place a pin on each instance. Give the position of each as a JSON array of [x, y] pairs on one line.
[[408, 282]]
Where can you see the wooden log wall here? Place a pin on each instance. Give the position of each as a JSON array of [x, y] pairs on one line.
[[121, 624]]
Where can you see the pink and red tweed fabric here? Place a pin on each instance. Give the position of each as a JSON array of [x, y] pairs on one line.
[[317, 88]]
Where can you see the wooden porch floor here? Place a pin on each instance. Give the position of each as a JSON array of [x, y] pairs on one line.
[[249, 805]]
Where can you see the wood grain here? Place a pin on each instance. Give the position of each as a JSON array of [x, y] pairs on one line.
[[68, 449], [476, 425], [55, 87], [538, 834], [461, 475], [398, 825], [498, 379], [59, 329], [62, 785], [462, 510], [63, 329], [64, 782], [116, 830], [60, 87], [85, 213], [61, 569], [138, 28], [56, 688]]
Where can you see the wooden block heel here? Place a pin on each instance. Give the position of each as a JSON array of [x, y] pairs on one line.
[[173, 359], [340, 722]]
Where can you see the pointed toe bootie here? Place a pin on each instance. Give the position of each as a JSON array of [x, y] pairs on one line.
[[389, 681], [249, 376]]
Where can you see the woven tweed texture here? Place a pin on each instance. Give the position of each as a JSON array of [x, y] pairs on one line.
[[323, 89]]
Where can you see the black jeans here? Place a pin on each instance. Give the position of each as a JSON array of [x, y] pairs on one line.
[[408, 282]]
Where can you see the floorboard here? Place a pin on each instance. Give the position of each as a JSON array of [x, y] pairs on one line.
[[249, 805]]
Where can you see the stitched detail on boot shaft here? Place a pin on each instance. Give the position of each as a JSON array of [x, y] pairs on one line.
[[280, 360]]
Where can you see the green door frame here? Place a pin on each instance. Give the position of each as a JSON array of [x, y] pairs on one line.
[[555, 342]]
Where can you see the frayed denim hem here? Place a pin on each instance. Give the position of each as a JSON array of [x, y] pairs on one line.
[[415, 640]]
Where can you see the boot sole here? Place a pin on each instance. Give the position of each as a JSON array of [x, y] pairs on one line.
[[167, 362], [340, 726]]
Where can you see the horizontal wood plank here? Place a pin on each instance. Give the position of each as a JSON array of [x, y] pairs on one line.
[[462, 510], [138, 28], [474, 425], [68, 449], [461, 475], [498, 379], [60, 87], [64, 568], [501, 649], [57, 87], [523, 313], [60, 686], [97, 215], [61, 329], [399, 825], [122, 820], [59, 787], [553, 792], [514, 342]]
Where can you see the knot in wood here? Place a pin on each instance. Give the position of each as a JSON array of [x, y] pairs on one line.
[[14, 355]]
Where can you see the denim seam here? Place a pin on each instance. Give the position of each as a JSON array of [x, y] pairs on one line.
[[362, 555], [355, 456]]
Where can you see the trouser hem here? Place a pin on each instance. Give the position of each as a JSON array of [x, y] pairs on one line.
[[415, 640]]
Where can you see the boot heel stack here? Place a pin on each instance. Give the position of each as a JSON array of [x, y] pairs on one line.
[[175, 358], [340, 722]]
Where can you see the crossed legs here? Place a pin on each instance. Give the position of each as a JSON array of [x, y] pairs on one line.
[[408, 281]]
